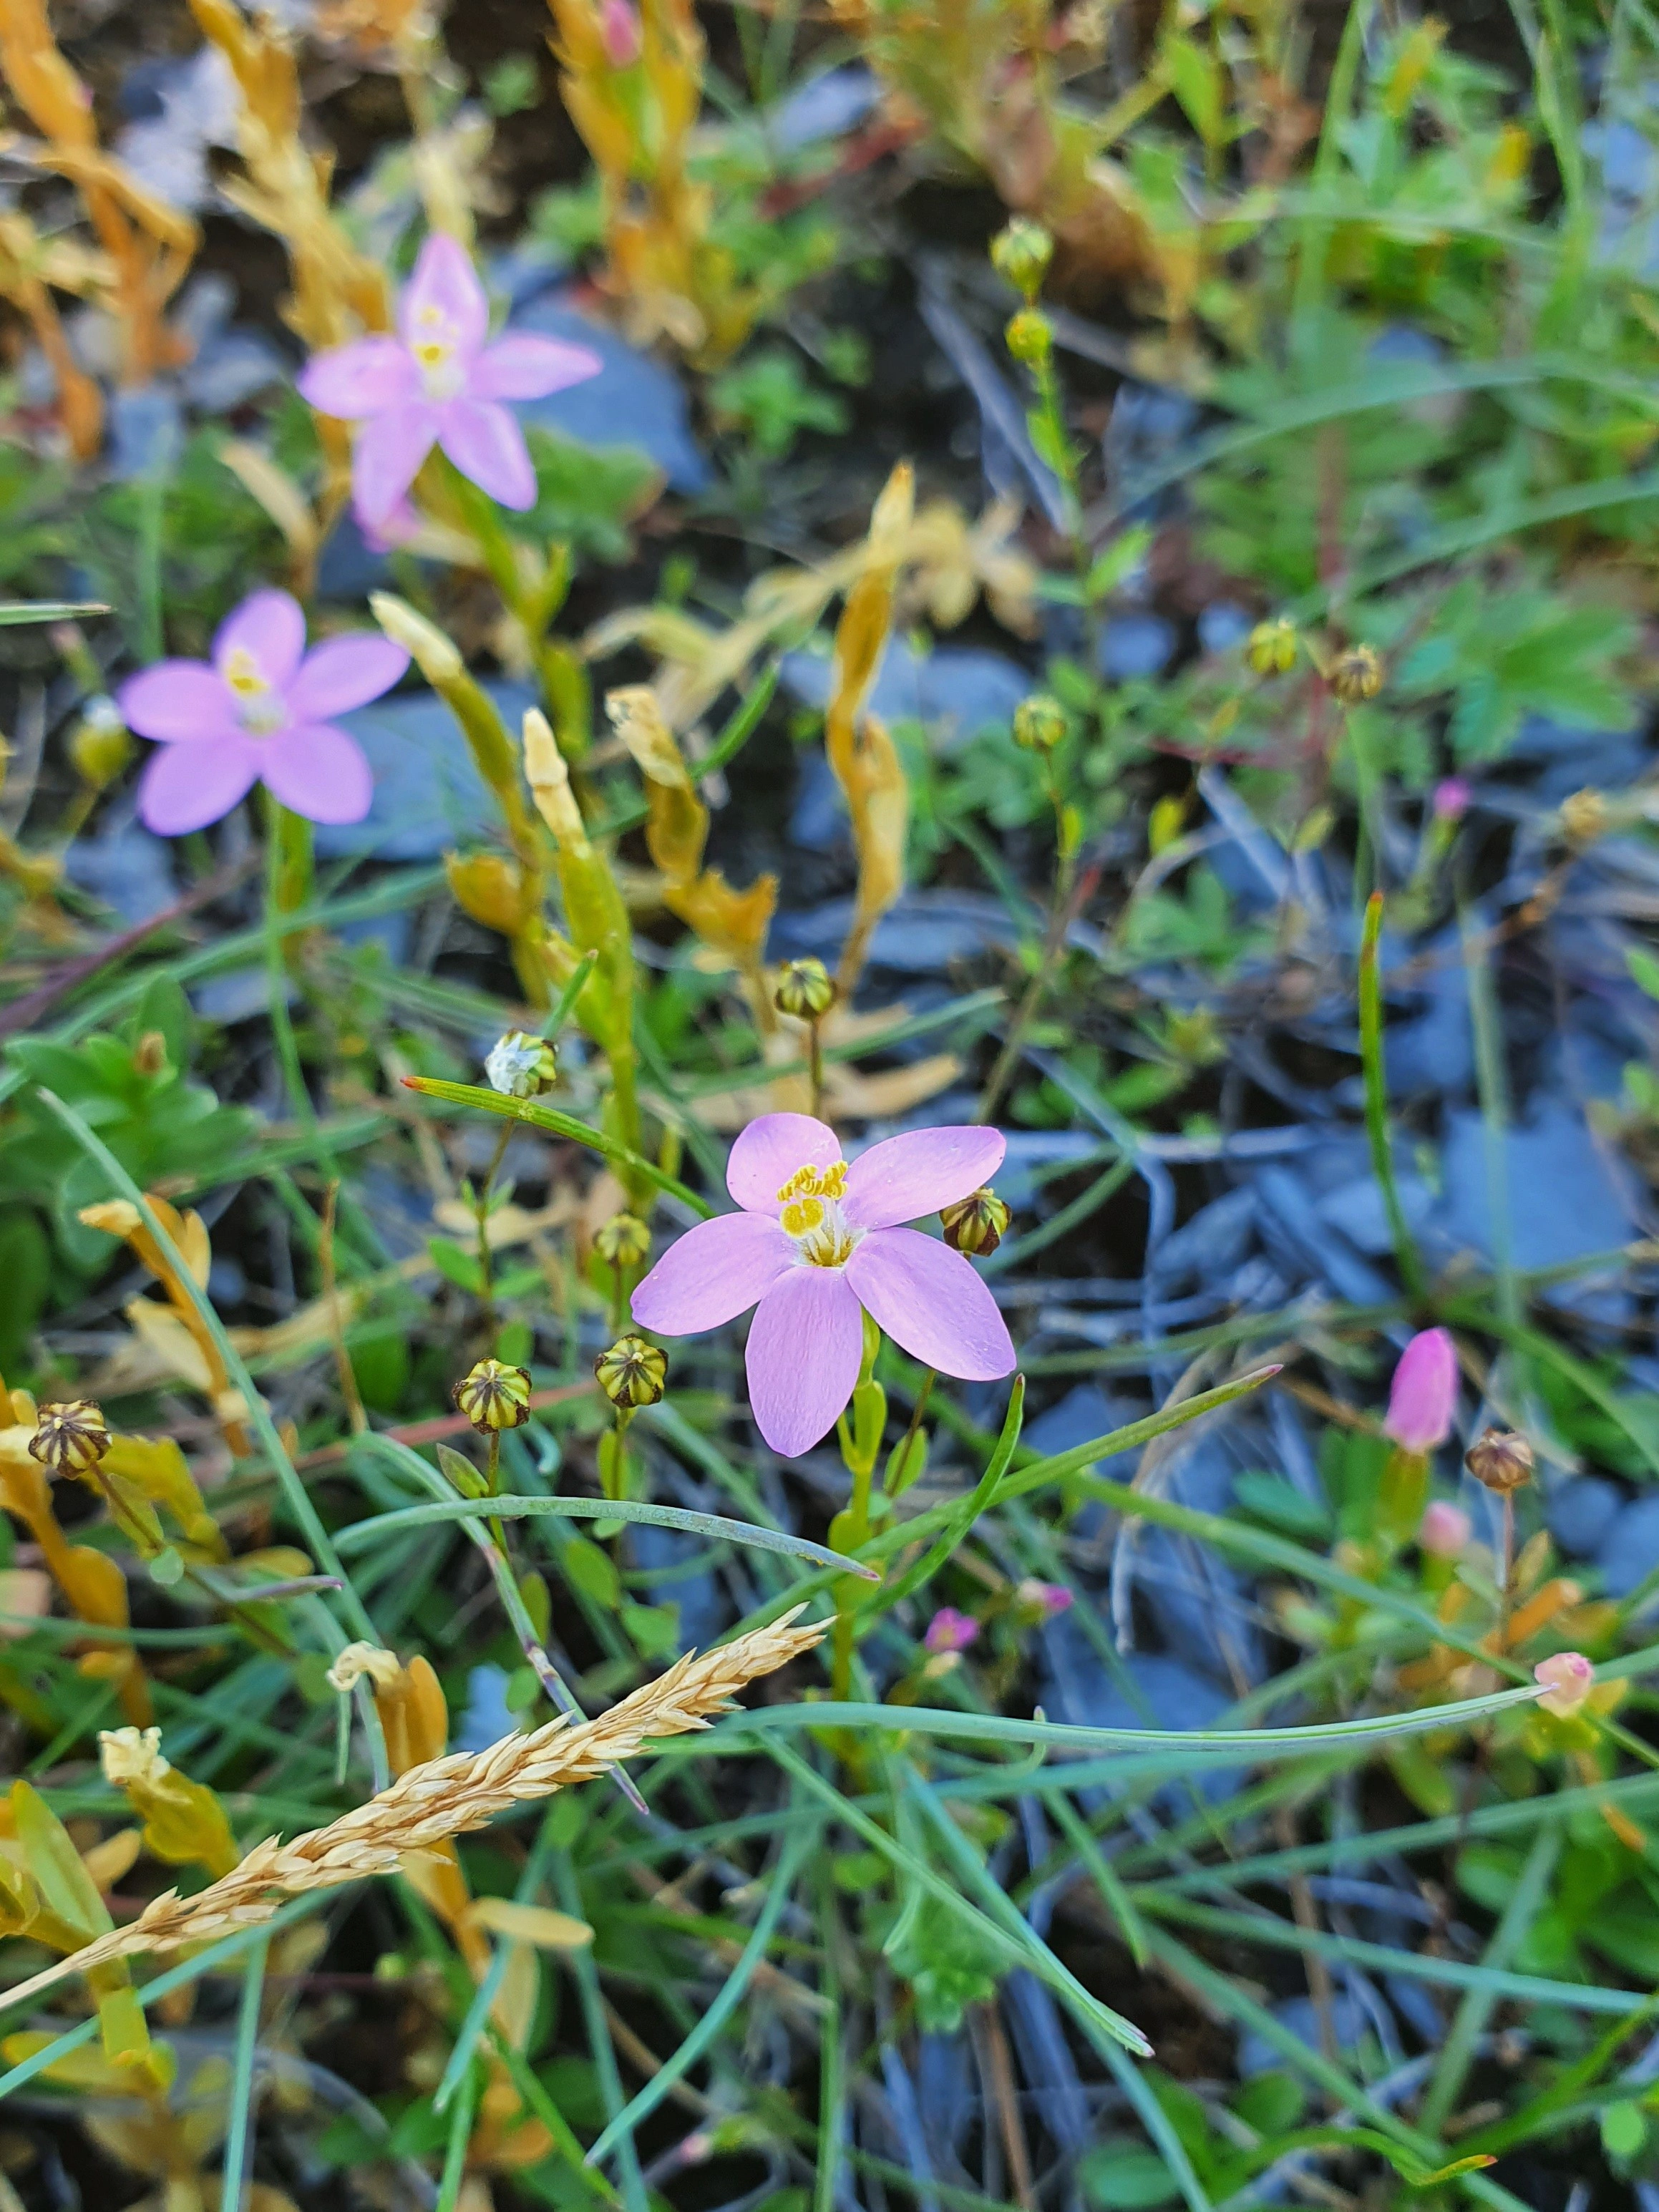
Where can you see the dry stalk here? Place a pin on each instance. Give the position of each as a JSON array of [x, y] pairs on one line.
[[441, 1798]]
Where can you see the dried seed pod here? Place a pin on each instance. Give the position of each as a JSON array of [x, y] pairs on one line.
[[1356, 675], [1500, 1459], [1039, 723], [1272, 648], [623, 1241], [71, 1438], [805, 989], [976, 1223], [632, 1373], [519, 1064], [493, 1396]]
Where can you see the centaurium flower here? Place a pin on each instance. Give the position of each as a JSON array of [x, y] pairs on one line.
[[818, 1244], [1451, 798], [258, 712], [950, 1631], [438, 382], [1046, 1601], [1568, 1680], [1423, 1396]]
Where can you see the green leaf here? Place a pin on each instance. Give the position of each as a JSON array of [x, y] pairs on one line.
[[1623, 2130], [1644, 969], [461, 1472], [1126, 2177], [25, 1269], [456, 1265], [13, 611], [55, 1863], [590, 1570]]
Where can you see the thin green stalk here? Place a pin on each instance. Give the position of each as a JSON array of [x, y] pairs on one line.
[[234, 2186], [826, 2166], [460, 2134], [585, 1975], [1376, 1101], [1526, 1900], [541, 1116]]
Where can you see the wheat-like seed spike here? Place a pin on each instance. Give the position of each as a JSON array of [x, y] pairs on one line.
[[443, 1797]]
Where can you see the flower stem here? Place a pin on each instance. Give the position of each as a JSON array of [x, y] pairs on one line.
[[1054, 949], [815, 1062], [1376, 1101], [481, 1216], [860, 1445]]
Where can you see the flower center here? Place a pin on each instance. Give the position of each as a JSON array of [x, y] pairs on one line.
[[435, 351], [812, 1215], [260, 709]]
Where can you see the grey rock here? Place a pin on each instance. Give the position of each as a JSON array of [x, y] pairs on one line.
[[129, 870], [633, 401], [428, 794], [1629, 1549], [1580, 1511], [956, 690], [1564, 1199]]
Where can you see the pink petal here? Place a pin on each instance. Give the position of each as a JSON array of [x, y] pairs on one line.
[[177, 700], [351, 382], [486, 444], [769, 1152], [269, 628], [387, 458], [443, 299], [344, 673], [904, 1178], [931, 1303], [320, 772], [527, 367], [713, 1273], [186, 787], [804, 1346], [1422, 1397]]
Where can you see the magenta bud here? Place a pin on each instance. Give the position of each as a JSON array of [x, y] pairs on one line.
[[1424, 1394], [1451, 798], [1046, 1600], [950, 1631], [1445, 1530], [619, 28]]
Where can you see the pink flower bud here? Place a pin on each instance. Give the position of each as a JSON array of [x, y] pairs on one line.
[[619, 29], [950, 1631], [1445, 1530], [1424, 1394], [1046, 1600], [1451, 798], [1568, 1680]]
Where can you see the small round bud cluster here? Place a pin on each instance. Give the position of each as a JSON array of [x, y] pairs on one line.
[[1272, 646], [1501, 1459], [1029, 337], [494, 1396], [71, 1438], [519, 1064], [976, 1223], [805, 989], [1356, 675], [623, 1241], [1021, 252], [1039, 723], [632, 1373]]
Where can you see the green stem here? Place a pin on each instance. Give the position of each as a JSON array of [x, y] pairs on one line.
[[1054, 949], [1376, 1101], [481, 1216]]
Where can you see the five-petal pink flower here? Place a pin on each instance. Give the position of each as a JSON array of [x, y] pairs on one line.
[[818, 1244], [259, 712], [1423, 1396], [439, 383]]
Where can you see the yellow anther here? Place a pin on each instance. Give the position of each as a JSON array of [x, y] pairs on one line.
[[802, 1214], [816, 1182], [242, 673]]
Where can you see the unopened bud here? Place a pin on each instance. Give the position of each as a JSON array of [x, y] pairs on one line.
[[1041, 1601], [619, 31], [71, 1438], [976, 1223], [494, 1396], [1568, 1680], [150, 1055], [1356, 675], [519, 1064], [1452, 796], [806, 989], [632, 1373], [623, 1241], [489, 887], [1271, 650], [1445, 1530], [99, 746], [1021, 252], [1501, 1459], [1029, 337], [1584, 817], [131, 1755], [437, 657], [1039, 723]]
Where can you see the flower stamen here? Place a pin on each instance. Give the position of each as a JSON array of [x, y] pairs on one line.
[[811, 1214]]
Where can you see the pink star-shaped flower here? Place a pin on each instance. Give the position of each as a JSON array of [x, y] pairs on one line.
[[439, 383], [259, 712], [818, 1244]]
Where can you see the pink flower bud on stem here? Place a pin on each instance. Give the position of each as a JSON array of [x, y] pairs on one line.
[[1568, 1680]]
